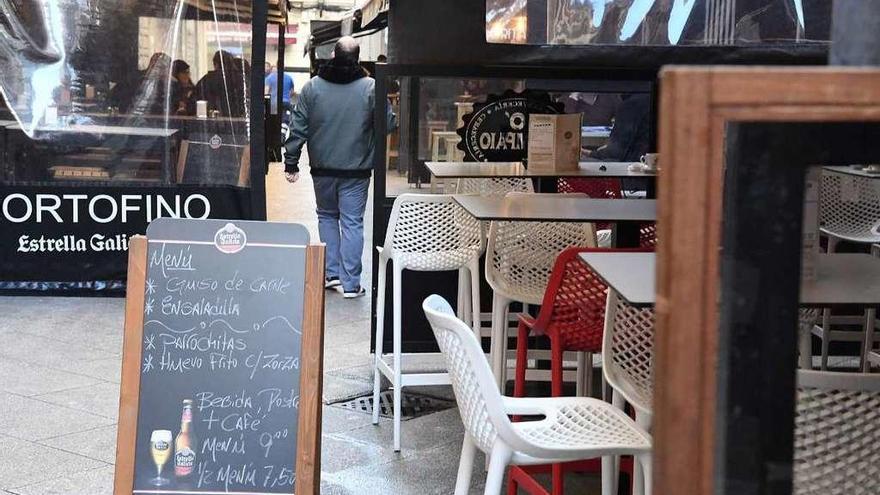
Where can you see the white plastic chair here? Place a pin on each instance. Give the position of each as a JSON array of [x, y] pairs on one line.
[[628, 367], [572, 428], [837, 434], [426, 232], [849, 210], [519, 260], [493, 186]]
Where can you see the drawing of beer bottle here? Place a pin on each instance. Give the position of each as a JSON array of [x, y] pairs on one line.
[[184, 454]]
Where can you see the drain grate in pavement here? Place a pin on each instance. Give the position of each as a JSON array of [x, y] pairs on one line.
[[412, 405]]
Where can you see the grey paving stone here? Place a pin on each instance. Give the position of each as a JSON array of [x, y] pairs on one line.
[[32, 420], [363, 373], [338, 389], [107, 369], [23, 463], [331, 489], [348, 332], [345, 357], [99, 443], [339, 453], [336, 419], [50, 352], [430, 473], [339, 310], [23, 378], [92, 482], [101, 399], [416, 435]]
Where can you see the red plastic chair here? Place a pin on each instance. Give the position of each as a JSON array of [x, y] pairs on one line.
[[572, 316], [593, 187], [597, 188], [606, 189], [648, 235]]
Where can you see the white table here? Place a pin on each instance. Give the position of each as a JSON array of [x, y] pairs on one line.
[[107, 130], [856, 171], [558, 208], [842, 281], [486, 170]]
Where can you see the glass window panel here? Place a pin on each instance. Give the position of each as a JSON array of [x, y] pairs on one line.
[[122, 92], [432, 111]]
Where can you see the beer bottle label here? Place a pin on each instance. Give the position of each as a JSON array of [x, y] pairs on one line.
[[183, 461]]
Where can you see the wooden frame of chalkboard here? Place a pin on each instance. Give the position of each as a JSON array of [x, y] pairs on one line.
[[308, 445]]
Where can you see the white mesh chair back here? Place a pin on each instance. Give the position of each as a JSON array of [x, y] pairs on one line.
[[850, 207], [479, 402], [837, 434], [520, 255], [495, 186], [431, 232], [628, 351]]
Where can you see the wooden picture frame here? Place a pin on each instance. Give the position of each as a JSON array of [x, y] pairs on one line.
[[696, 106], [308, 456]]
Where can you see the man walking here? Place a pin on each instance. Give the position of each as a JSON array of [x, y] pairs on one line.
[[334, 115]]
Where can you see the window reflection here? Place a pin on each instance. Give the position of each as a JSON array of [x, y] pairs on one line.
[[617, 125], [158, 92]]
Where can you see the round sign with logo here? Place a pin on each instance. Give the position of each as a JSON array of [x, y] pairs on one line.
[[498, 129]]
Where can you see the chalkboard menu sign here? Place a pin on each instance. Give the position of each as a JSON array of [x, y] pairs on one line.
[[219, 359]]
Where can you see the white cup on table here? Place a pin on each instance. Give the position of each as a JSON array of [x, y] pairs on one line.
[[649, 162]]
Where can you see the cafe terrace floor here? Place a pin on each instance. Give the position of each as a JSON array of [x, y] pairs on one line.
[[59, 391]]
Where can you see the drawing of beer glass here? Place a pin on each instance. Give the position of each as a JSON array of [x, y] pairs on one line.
[[160, 449]]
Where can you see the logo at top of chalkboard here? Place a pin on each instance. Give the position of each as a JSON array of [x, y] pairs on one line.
[[215, 142], [230, 239]]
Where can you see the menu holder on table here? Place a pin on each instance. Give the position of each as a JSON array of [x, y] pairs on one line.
[[554, 142], [221, 373]]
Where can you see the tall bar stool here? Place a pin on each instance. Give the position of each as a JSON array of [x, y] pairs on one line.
[[492, 186], [837, 433], [426, 232], [849, 210], [519, 259], [628, 367], [572, 428]]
